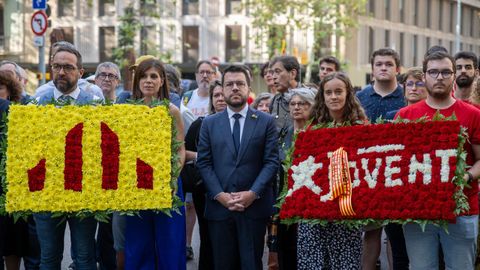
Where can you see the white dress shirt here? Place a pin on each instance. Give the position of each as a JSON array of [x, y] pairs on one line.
[[243, 113]]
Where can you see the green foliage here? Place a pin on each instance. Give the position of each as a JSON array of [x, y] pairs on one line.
[[127, 30], [274, 18]]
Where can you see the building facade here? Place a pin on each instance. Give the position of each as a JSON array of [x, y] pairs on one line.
[[190, 30]]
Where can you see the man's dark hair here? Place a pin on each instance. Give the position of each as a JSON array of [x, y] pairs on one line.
[[264, 68], [439, 55], [330, 60], [386, 52], [72, 51], [467, 55], [201, 62], [435, 48], [289, 63], [236, 69]]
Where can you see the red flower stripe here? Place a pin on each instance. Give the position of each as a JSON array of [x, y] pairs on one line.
[[36, 176], [73, 159], [144, 175], [419, 198], [110, 157]]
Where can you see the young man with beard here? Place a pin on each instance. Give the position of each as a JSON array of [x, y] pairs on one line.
[[459, 243], [466, 65], [378, 99], [67, 70], [237, 159]]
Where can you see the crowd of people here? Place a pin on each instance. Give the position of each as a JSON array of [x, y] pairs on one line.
[[233, 148]]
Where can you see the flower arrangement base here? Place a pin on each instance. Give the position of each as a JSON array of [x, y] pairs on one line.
[[75, 159], [399, 172]]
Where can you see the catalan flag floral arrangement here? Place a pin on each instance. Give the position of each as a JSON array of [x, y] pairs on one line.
[[86, 160], [378, 173]]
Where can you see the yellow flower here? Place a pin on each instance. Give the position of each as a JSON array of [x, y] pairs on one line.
[[35, 133]]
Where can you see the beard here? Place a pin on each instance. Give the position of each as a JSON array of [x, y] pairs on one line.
[[464, 81], [236, 103], [64, 85], [447, 91]]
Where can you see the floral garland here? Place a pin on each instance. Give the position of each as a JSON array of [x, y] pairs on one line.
[[89, 160], [399, 174]]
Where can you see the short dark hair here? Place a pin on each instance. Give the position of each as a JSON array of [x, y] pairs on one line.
[[435, 48], [469, 56], [201, 62], [72, 51], [289, 63], [439, 55], [236, 69], [330, 60], [264, 68], [386, 52]]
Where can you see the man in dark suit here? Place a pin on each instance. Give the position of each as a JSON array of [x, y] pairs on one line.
[[237, 159]]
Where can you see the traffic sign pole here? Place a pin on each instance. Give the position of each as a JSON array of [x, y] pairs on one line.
[[41, 63], [39, 25]]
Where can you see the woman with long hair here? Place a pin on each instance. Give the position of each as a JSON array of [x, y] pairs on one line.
[[333, 246], [155, 240]]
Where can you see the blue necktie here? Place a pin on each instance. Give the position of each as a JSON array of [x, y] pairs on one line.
[[236, 131]]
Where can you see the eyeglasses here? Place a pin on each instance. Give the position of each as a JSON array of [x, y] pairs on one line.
[[446, 73], [206, 72], [299, 104], [417, 83], [66, 68], [240, 84], [110, 76]]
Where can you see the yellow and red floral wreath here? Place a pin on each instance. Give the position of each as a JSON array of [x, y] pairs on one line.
[[91, 158]]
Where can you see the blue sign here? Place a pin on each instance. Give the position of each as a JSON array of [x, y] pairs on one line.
[[39, 4]]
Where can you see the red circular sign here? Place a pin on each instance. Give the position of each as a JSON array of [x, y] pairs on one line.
[[39, 23]]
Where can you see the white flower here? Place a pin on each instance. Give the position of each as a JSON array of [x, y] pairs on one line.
[[302, 176]]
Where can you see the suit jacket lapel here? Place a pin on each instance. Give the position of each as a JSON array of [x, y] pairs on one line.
[[227, 131], [248, 130]]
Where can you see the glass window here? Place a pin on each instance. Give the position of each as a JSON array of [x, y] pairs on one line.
[[190, 7], [386, 3], [107, 43], [440, 15], [415, 13], [190, 44], [148, 37], [401, 8], [415, 50], [402, 47], [233, 7], [387, 38], [429, 13], [233, 43], [371, 40], [65, 8], [106, 8], [453, 12]]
